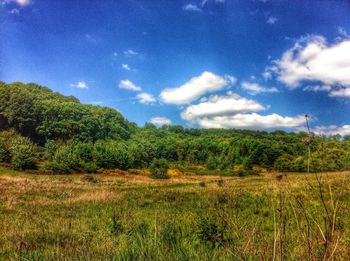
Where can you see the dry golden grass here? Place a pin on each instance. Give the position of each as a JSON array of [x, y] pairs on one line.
[[61, 216]]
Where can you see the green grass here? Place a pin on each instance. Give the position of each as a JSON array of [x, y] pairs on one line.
[[135, 218]]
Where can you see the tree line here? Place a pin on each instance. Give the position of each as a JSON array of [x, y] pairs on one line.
[[41, 128]]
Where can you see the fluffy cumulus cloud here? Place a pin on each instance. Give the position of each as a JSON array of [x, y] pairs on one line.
[[312, 59], [196, 87], [220, 106], [251, 121], [129, 85], [160, 121], [80, 85], [254, 88], [145, 98], [234, 111], [333, 130]]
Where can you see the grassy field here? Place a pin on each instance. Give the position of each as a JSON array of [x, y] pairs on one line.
[[131, 217]]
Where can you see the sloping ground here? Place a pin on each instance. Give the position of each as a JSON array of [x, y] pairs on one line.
[[124, 217]]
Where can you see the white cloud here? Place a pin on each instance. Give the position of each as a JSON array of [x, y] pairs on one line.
[[318, 88], [160, 121], [19, 2], [271, 20], [145, 98], [191, 7], [80, 85], [333, 130], [343, 92], [126, 67], [128, 85], [196, 87], [130, 52], [220, 106], [251, 121], [234, 111], [342, 32], [312, 59], [267, 75], [254, 88], [23, 2]]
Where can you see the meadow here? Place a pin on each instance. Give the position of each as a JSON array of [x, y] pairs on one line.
[[128, 216]]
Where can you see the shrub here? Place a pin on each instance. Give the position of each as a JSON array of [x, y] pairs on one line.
[[54, 167], [5, 154], [211, 163], [50, 149], [89, 167], [284, 163], [66, 157], [23, 153], [247, 164], [299, 164], [159, 168], [212, 233], [111, 154]]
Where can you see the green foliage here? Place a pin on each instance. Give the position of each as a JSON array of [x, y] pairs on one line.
[[89, 167], [6, 137], [77, 137], [211, 163], [37, 112], [50, 149], [212, 233], [284, 163], [159, 168], [111, 154], [56, 168], [65, 155], [247, 164], [299, 164], [23, 152], [5, 154]]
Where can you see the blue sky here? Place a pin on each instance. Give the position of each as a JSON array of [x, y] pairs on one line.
[[255, 64]]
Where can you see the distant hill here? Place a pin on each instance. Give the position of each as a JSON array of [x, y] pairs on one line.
[[39, 113]]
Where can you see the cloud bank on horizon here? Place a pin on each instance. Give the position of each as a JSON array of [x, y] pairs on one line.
[[205, 63]]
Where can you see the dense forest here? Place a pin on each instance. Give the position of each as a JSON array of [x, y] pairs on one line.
[[43, 129]]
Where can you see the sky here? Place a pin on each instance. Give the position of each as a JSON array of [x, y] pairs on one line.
[[245, 64]]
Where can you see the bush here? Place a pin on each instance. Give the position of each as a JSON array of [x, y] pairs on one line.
[[5, 154], [211, 163], [212, 233], [111, 154], [54, 167], [23, 153], [50, 149], [66, 157], [284, 163], [159, 168], [89, 167], [299, 164], [247, 164]]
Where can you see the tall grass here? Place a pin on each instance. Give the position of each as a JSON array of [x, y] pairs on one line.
[[258, 218]]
